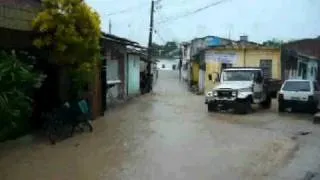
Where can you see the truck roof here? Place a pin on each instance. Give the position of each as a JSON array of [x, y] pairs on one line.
[[242, 68]]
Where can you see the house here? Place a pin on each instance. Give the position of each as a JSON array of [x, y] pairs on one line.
[[301, 59], [167, 64], [16, 22], [197, 67], [185, 71], [239, 54], [118, 75], [135, 59], [116, 66], [16, 34]]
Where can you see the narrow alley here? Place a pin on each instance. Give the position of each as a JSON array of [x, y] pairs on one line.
[[169, 135]]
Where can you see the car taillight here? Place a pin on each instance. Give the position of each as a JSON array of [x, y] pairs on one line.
[[280, 96], [310, 98]]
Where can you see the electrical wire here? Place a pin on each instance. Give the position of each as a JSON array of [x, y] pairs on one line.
[[159, 36], [192, 12], [129, 9]]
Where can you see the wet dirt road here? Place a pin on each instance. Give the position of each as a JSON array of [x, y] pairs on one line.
[[167, 135]]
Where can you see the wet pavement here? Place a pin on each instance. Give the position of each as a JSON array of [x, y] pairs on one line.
[[169, 135]]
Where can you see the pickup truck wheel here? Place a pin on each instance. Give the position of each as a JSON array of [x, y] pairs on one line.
[[212, 107], [313, 108], [267, 103], [281, 106], [244, 107]]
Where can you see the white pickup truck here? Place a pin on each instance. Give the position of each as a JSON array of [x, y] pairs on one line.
[[239, 88]]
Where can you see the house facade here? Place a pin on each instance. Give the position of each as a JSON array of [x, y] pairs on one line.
[[133, 73], [301, 59], [186, 64], [217, 59], [197, 65], [167, 64], [16, 18]]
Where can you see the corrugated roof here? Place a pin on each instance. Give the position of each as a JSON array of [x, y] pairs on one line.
[[120, 40]]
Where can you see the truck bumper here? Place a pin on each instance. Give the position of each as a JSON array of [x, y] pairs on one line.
[[223, 104], [299, 105], [208, 100]]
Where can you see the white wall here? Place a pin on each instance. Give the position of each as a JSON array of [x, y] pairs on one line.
[[168, 64]]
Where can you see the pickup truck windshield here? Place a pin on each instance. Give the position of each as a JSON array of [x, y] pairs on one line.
[[296, 86], [238, 75]]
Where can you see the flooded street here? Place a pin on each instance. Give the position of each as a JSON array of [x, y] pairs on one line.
[[169, 135]]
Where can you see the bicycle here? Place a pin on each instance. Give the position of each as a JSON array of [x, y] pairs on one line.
[[62, 122]]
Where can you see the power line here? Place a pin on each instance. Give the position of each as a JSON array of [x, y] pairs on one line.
[[127, 9], [159, 36], [192, 12]]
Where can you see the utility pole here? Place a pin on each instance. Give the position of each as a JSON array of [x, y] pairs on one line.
[[110, 26], [180, 62], [150, 46]]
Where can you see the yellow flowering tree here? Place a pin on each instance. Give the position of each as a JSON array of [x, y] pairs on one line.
[[70, 30]]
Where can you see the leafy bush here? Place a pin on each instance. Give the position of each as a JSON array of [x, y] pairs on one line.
[[70, 29], [17, 80]]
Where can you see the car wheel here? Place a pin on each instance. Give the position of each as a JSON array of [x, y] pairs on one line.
[[244, 107], [212, 107], [313, 108], [281, 106], [267, 103]]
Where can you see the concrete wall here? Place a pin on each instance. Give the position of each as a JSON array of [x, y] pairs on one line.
[[18, 16], [168, 64], [195, 72], [249, 58]]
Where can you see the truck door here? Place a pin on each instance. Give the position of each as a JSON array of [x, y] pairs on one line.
[[258, 94]]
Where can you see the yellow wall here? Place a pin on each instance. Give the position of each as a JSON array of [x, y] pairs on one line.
[[251, 58], [195, 72]]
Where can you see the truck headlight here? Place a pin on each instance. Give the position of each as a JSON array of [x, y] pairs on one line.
[[209, 94]]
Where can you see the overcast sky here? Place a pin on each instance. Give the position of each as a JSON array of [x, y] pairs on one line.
[[259, 19]]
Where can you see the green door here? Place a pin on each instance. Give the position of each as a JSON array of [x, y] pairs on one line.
[[133, 75]]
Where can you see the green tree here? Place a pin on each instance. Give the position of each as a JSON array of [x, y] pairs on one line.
[[273, 43], [164, 50], [70, 29], [170, 46], [156, 50]]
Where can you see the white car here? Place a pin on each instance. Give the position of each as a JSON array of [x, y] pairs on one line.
[[299, 94]]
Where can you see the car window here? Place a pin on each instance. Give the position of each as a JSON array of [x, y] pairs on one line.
[[296, 86]]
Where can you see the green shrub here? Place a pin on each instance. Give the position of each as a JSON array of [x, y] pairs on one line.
[[17, 80]]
